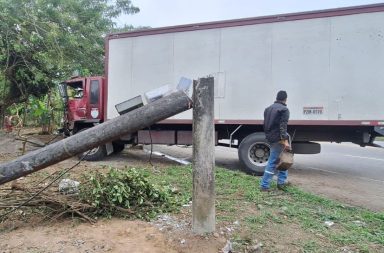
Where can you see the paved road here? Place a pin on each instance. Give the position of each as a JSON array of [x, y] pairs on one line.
[[346, 172], [365, 163]]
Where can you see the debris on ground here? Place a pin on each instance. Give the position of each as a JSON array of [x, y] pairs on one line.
[[68, 186], [329, 223], [117, 192], [256, 248], [359, 223], [228, 248]]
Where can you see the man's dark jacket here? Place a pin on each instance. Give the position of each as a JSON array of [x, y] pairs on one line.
[[276, 119]]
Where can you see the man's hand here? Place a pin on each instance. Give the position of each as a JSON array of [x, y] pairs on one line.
[[286, 144]]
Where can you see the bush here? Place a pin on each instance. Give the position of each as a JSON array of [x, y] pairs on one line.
[[125, 193]]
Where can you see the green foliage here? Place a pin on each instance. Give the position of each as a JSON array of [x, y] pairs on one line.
[[43, 41], [46, 110], [126, 192], [15, 109], [39, 109]]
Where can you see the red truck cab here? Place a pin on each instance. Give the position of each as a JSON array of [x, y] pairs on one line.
[[84, 99]]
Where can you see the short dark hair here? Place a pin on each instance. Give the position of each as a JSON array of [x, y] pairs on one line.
[[281, 95]]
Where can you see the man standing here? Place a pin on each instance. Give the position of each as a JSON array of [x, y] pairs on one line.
[[276, 119]]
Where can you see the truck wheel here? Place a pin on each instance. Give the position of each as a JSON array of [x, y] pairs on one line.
[[254, 153], [118, 147], [95, 154]]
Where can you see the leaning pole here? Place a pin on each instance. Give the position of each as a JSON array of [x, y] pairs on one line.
[[130, 122]]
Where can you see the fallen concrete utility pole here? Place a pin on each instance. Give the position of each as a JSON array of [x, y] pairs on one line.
[[130, 122]]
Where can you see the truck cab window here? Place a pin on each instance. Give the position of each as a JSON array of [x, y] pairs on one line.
[[75, 90], [94, 92]]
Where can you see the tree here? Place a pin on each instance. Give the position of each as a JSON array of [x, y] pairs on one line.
[[44, 41]]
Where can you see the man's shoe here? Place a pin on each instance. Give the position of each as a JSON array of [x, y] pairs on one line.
[[283, 187], [265, 189]]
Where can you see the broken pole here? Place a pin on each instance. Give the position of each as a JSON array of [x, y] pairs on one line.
[[130, 122], [203, 200]]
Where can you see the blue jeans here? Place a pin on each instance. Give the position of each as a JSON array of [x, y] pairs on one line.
[[270, 169]]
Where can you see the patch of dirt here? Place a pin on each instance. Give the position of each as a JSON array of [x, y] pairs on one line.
[[287, 237], [115, 235], [26, 232], [105, 236], [8, 146]]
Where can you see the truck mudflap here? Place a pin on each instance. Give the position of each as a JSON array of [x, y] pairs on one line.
[[109, 148], [307, 147]]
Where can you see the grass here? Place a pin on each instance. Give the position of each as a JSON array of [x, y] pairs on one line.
[[265, 216], [379, 138]]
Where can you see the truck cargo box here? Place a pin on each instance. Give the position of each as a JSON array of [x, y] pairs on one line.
[[330, 63]]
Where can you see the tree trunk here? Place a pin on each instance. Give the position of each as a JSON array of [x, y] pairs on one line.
[[2, 115], [110, 130], [203, 202], [45, 124], [26, 104], [2, 108]]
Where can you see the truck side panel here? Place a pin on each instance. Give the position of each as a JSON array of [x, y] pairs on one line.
[[331, 67]]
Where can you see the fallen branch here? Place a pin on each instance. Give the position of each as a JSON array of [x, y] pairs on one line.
[[57, 203]]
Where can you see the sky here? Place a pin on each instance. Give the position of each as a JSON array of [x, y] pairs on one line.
[[161, 13]]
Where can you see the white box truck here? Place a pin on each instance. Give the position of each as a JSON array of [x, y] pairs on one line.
[[330, 62]]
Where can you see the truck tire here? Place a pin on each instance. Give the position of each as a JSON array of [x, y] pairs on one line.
[[95, 154], [254, 153]]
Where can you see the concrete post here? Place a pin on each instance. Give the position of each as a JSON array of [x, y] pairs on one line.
[[203, 202]]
